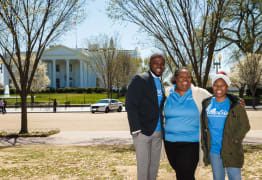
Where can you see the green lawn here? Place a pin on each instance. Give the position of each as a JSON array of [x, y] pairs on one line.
[[73, 98]]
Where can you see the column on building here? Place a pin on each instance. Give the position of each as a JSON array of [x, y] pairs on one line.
[[81, 73], [54, 73], [86, 75], [49, 63], [67, 73]]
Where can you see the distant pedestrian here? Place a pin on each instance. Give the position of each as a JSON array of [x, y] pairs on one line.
[[4, 106], [54, 106]]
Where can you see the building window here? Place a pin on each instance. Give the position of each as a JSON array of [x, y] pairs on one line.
[[97, 82], [70, 82], [57, 68], [57, 83], [70, 67]]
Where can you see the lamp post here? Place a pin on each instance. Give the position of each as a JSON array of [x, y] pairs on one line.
[[217, 64], [1, 66]]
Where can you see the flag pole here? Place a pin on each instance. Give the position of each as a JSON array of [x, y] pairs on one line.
[[76, 36], [74, 24]]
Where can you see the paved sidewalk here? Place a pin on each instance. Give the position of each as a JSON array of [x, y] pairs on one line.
[[83, 138]]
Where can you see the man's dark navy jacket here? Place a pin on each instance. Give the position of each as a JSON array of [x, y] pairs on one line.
[[142, 104]]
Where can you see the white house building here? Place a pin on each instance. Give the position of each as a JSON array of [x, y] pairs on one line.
[[66, 67]]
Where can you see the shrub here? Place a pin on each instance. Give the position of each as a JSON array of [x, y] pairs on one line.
[[74, 90]]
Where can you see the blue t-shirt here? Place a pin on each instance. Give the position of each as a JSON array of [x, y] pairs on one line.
[[159, 97], [182, 118], [217, 114]]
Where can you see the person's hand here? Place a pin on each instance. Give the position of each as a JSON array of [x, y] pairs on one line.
[[242, 102]]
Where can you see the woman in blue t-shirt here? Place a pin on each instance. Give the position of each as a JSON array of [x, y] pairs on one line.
[[182, 117], [224, 125]]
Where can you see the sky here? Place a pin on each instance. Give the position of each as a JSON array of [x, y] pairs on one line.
[[97, 22]]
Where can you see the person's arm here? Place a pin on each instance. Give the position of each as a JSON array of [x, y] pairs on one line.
[[133, 100], [204, 140], [244, 126]]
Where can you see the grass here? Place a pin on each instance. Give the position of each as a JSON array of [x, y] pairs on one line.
[[32, 133], [73, 98], [95, 162]]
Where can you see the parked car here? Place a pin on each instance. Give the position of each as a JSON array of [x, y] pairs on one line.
[[106, 105]]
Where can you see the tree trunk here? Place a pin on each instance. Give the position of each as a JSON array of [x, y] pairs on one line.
[[253, 91], [111, 92], [254, 102], [108, 92], [241, 91], [24, 129], [118, 93], [32, 98]]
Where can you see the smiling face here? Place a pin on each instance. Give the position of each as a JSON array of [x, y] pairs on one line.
[[183, 80], [157, 66], [220, 90]]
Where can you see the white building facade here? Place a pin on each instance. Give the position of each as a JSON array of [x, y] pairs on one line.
[[66, 68]]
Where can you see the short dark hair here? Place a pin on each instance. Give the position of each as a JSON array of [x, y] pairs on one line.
[[156, 55], [173, 78]]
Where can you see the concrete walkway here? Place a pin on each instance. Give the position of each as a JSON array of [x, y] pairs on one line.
[[86, 128], [83, 138]]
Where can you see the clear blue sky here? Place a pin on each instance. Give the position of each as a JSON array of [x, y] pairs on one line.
[[98, 23]]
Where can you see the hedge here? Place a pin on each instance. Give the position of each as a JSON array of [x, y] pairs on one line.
[[65, 90], [74, 90]]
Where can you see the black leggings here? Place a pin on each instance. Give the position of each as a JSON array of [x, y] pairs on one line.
[[183, 157]]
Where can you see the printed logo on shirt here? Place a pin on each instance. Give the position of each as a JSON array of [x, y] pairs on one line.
[[213, 112], [189, 98]]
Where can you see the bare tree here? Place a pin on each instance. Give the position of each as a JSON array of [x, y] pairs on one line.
[[243, 34], [187, 29], [244, 26], [127, 67], [103, 54], [114, 67], [236, 79], [29, 26], [250, 70]]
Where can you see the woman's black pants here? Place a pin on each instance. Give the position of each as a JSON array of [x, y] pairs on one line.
[[183, 157]]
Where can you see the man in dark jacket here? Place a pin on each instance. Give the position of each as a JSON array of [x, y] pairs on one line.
[[144, 99]]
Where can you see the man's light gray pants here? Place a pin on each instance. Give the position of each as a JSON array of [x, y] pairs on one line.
[[148, 149]]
